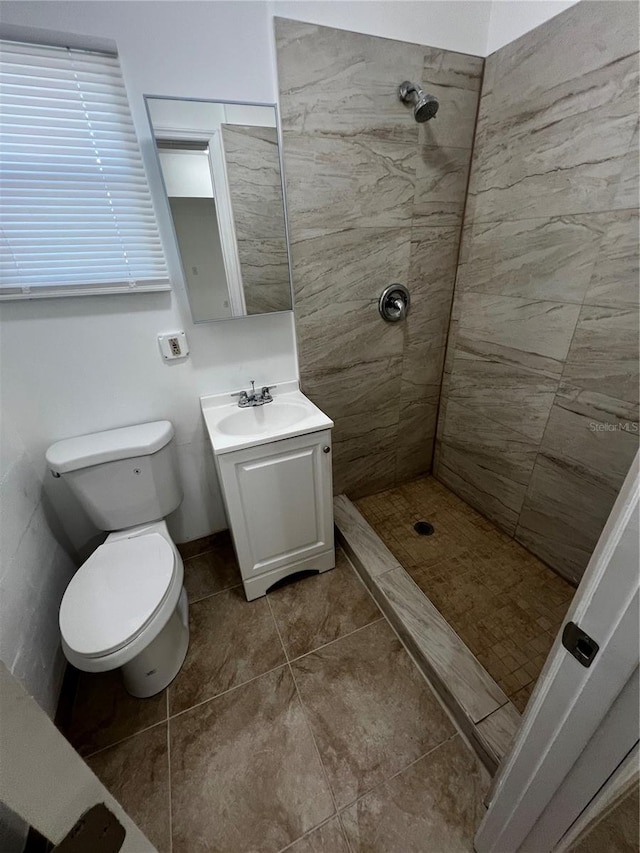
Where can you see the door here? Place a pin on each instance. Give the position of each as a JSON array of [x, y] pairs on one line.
[[582, 719], [279, 501]]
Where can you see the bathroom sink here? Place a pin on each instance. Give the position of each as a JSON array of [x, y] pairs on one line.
[[233, 428], [258, 419]]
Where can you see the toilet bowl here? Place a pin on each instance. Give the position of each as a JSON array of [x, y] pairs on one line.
[[126, 608]]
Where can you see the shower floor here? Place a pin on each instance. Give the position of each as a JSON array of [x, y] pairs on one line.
[[504, 603]]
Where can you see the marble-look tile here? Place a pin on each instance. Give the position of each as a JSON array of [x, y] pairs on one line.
[[432, 269], [336, 81], [136, 772], [628, 192], [531, 334], [416, 434], [232, 640], [436, 804], [315, 610], [508, 394], [604, 352], [355, 388], [362, 540], [252, 163], [454, 125], [370, 711], [441, 184], [448, 68], [499, 729], [212, 571], [446, 656], [104, 713], [327, 838], [364, 449], [563, 515], [454, 78], [602, 450], [485, 463], [244, 771], [597, 406], [359, 181], [266, 298], [546, 259], [615, 277], [549, 160], [338, 280], [530, 68]]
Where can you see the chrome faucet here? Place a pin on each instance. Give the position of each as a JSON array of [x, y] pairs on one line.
[[253, 397]]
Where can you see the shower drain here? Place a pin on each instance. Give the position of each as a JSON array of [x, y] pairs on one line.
[[423, 528]]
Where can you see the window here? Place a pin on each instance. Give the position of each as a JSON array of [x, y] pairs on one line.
[[76, 211]]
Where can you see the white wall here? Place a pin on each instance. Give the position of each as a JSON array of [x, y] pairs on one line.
[[34, 572], [83, 364], [510, 19], [460, 25]]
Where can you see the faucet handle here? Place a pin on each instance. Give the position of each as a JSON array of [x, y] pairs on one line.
[[265, 393], [244, 398]]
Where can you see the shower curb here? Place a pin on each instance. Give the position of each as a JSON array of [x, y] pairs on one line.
[[479, 706]]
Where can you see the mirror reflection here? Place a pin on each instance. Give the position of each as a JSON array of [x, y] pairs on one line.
[[221, 168]]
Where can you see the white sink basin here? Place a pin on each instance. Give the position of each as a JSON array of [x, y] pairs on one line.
[[255, 420], [233, 428]]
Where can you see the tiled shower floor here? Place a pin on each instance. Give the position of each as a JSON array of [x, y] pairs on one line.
[[297, 723], [504, 603]]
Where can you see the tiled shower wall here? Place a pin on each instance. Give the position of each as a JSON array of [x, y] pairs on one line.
[[255, 188], [541, 382], [373, 198]]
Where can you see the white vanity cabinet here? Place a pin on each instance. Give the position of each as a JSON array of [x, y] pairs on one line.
[[279, 502]]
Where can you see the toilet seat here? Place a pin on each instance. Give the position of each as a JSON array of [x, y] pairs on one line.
[[116, 593]]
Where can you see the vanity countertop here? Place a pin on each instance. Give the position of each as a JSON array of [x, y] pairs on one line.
[[233, 428]]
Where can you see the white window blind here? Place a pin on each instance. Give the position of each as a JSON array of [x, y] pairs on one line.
[[75, 207]]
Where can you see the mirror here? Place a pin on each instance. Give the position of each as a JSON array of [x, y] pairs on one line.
[[222, 174]]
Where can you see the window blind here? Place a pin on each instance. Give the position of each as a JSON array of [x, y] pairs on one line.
[[75, 209]]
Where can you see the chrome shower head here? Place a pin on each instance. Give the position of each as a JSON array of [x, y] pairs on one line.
[[425, 106]]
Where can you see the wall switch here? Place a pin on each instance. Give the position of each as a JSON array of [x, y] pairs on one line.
[[173, 345]]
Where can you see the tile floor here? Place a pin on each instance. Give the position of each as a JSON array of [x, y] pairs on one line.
[[503, 602], [298, 723]]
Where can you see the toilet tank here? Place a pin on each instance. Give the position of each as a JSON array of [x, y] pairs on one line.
[[122, 477]]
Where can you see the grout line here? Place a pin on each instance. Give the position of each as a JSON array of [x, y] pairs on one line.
[[169, 779], [308, 833], [284, 663], [344, 834], [337, 639], [304, 712], [306, 718], [228, 690], [121, 740], [315, 745], [212, 594], [402, 770], [277, 627]]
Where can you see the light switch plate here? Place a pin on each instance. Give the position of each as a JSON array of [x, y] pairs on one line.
[[173, 345]]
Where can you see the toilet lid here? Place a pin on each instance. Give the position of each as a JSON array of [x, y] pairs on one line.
[[115, 593]]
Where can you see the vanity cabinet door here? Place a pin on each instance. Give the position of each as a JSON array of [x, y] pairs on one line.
[[280, 506]]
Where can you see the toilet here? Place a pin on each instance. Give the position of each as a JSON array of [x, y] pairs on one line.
[[126, 606]]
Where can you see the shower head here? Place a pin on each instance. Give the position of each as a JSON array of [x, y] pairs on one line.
[[425, 106]]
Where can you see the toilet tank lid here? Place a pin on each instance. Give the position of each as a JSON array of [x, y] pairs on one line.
[[72, 454]]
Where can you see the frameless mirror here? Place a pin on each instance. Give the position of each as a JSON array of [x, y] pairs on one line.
[[222, 174]]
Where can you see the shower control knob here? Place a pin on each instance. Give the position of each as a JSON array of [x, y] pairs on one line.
[[394, 303]]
